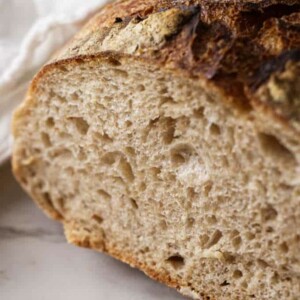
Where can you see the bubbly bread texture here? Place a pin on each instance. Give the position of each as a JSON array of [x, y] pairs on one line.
[[166, 134]]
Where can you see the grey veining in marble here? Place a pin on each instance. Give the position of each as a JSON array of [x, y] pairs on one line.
[[36, 263]]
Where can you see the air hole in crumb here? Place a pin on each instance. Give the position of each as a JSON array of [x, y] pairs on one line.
[[104, 195], [268, 213], [237, 241], [142, 186], [256, 227], [81, 155], [178, 158], [249, 235], [211, 220], [140, 88], [153, 263], [224, 161], [130, 104], [46, 139], [70, 171], [126, 170], [275, 278], [36, 150], [234, 233], [204, 297], [274, 148], [118, 180], [110, 158], [112, 86], [176, 261], [40, 184], [283, 247], [168, 134], [256, 245], [163, 225], [191, 193], [83, 172], [107, 99], [50, 123], [181, 154], [190, 222], [262, 286], [134, 203], [289, 279], [148, 128], [121, 73], [225, 283], [60, 99], [214, 239], [74, 97], [215, 129], [128, 123], [98, 219], [130, 151], [204, 238], [81, 125], [249, 264], [105, 138], [114, 62], [64, 135], [145, 250], [207, 188], [237, 274], [171, 177], [229, 258], [63, 69], [262, 263], [62, 153], [166, 100], [199, 113], [164, 90], [154, 172]]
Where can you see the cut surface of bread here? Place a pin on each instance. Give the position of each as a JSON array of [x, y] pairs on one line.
[[168, 168]]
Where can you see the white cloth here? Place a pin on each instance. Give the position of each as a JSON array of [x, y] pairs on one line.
[[30, 31]]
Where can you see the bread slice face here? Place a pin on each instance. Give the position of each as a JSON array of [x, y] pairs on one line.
[[162, 169]]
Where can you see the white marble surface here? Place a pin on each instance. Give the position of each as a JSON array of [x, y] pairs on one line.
[[36, 263]]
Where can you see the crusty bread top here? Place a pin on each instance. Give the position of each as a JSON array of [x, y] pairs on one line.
[[249, 50]]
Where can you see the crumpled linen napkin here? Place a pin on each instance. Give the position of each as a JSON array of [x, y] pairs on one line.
[[30, 31]]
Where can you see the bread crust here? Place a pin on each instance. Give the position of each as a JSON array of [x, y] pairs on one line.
[[236, 46], [100, 244]]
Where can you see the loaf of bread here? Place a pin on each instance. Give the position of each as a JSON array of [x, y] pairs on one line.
[[167, 134]]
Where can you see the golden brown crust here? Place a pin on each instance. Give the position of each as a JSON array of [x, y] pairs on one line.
[[44, 202], [77, 237], [236, 45]]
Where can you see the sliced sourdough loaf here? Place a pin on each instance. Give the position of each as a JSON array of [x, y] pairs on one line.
[[166, 134]]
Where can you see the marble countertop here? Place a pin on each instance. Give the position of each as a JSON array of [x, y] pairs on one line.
[[36, 263]]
